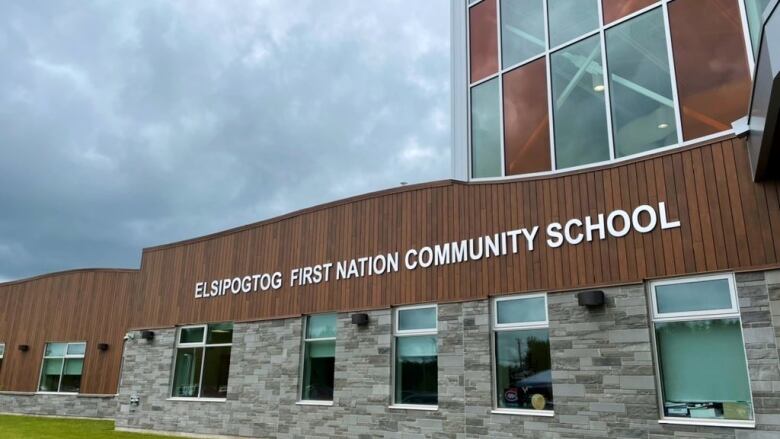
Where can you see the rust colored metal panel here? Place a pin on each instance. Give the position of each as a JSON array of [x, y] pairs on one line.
[[617, 9], [483, 40], [526, 119], [713, 77]]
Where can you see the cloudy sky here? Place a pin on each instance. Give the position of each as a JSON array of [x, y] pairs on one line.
[[131, 124]]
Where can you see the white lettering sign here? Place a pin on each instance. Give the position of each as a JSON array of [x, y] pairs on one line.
[[616, 224]]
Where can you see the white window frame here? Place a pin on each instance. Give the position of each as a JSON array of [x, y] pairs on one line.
[[201, 344], [505, 327], [305, 327], [717, 314], [394, 352], [546, 54], [2, 355], [64, 357]]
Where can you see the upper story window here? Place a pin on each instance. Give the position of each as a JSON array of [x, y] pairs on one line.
[[62, 367], [416, 368], [202, 362], [319, 358], [2, 353], [563, 84], [700, 351], [523, 371]]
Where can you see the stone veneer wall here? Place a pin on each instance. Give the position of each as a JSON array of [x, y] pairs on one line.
[[81, 406], [603, 373]]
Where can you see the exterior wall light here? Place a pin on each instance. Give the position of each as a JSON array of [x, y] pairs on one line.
[[102, 346], [591, 298], [24, 347], [147, 335], [360, 319]]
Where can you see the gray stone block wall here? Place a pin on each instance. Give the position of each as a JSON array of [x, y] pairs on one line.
[[603, 373], [82, 406]]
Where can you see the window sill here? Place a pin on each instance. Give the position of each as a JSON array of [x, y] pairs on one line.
[[424, 408], [709, 422], [313, 402], [522, 412], [58, 393], [174, 398]]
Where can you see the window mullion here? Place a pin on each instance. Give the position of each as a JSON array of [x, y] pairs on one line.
[[202, 368]]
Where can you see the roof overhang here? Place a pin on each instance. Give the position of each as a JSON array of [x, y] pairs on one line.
[[764, 143]]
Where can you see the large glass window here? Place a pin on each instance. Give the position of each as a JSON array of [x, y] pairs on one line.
[[570, 19], [485, 130], [202, 363], [62, 367], [522, 30], [319, 358], [416, 356], [640, 84], [579, 109], [700, 350], [522, 355], [713, 78]]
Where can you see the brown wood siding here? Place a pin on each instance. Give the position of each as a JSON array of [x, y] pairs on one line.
[[728, 223], [83, 305]]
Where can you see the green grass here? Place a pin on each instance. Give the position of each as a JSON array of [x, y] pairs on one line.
[[27, 427]]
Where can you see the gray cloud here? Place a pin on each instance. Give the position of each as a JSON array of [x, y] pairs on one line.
[[130, 124]]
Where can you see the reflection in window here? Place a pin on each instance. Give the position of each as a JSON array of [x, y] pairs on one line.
[[202, 364], [526, 121], [522, 353], [701, 354], [2, 354], [483, 40], [617, 9], [416, 356], [319, 358], [713, 78], [570, 19], [579, 109], [485, 130], [522, 30], [755, 15], [63, 364], [640, 85]]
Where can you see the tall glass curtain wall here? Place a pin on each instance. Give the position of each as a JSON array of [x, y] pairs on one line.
[[617, 78]]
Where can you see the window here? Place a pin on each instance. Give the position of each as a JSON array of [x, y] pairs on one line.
[[62, 367], [416, 356], [561, 84], [2, 354], [319, 358], [700, 352], [755, 15], [485, 130], [522, 355], [640, 84], [713, 78], [202, 363]]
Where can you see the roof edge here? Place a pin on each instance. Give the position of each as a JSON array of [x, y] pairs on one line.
[[71, 271]]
